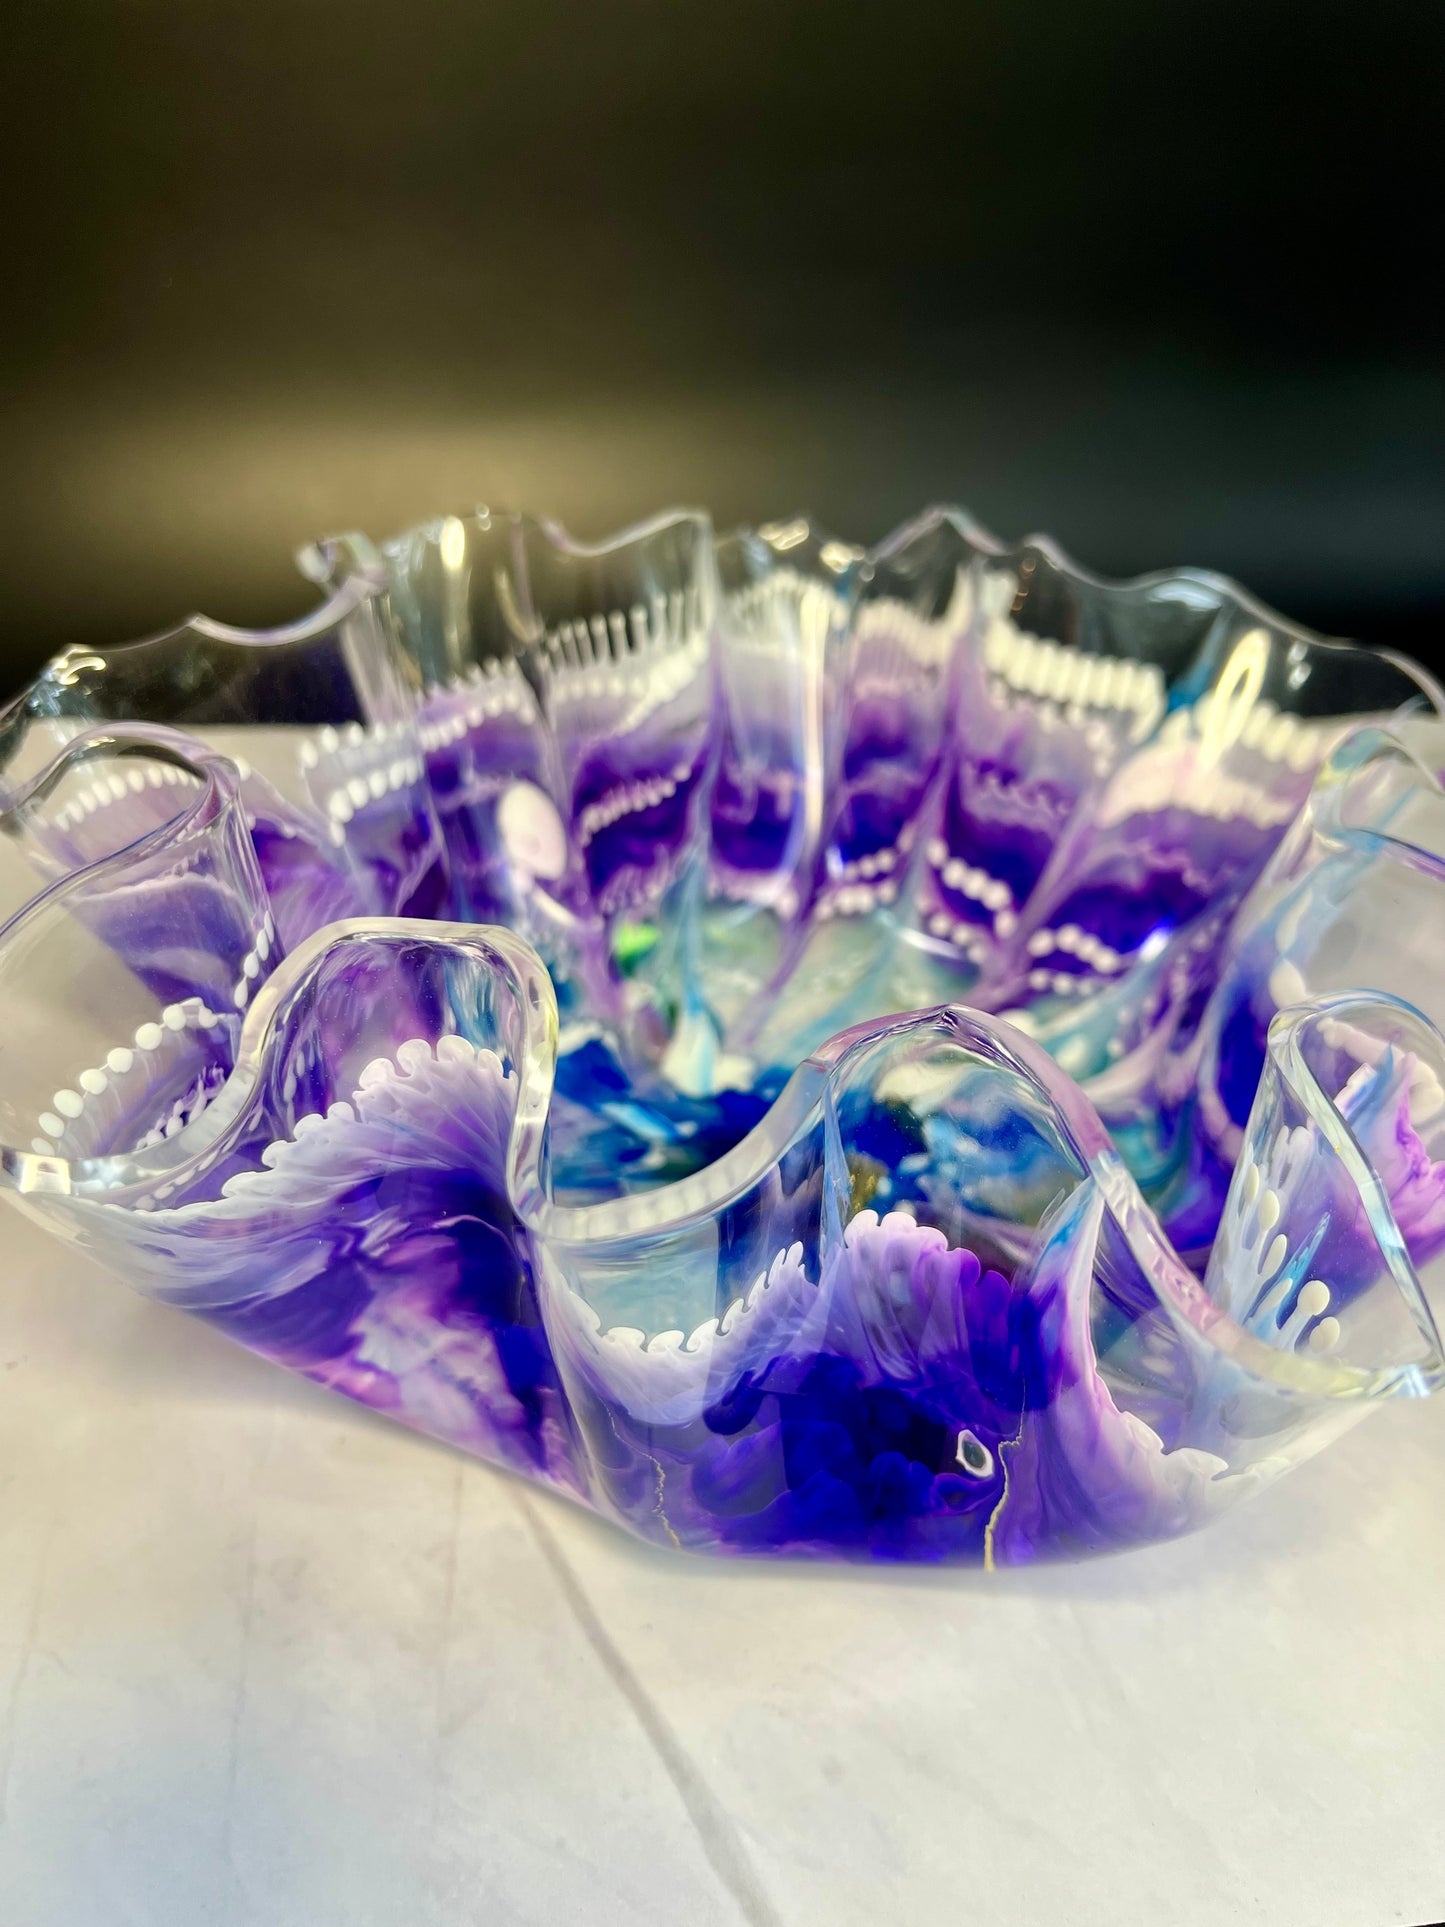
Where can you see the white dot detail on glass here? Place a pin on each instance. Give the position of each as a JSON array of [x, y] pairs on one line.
[[531, 831]]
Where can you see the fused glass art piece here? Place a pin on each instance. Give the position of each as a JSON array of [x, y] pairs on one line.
[[912, 1053]]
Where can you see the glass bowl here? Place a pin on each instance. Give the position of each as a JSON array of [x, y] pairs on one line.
[[909, 1053]]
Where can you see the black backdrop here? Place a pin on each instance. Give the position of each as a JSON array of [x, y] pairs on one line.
[[1155, 277]]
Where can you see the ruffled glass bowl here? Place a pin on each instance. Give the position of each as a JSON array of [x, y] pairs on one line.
[[913, 1053]]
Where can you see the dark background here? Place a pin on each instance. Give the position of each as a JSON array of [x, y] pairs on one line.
[[1156, 277]]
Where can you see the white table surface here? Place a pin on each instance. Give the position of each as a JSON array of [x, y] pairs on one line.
[[266, 1659]]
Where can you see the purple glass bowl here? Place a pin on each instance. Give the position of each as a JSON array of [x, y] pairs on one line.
[[908, 1053]]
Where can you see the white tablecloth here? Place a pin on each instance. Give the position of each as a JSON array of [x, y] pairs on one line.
[[266, 1659]]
